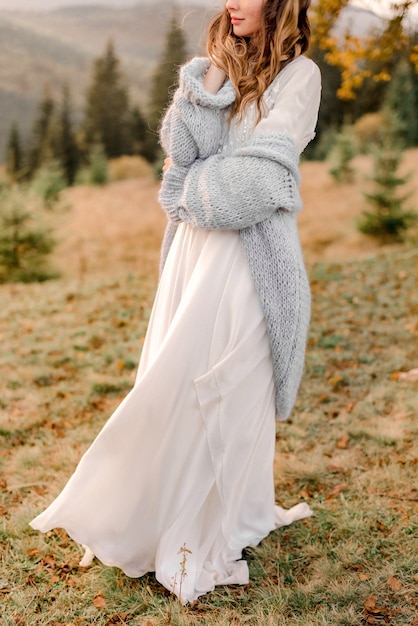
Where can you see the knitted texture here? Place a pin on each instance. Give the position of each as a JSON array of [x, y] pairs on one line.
[[276, 264], [193, 126], [254, 191], [237, 191]]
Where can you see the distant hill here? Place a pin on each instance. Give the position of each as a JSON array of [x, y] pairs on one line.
[[48, 48]]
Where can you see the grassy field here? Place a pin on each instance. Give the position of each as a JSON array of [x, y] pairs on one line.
[[69, 353]]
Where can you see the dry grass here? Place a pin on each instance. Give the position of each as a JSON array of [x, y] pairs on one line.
[[128, 167], [120, 226], [328, 222], [69, 351], [111, 230]]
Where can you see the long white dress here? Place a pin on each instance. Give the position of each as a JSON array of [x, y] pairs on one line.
[[184, 467]]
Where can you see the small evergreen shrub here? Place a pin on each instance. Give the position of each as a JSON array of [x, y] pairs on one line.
[[25, 241], [48, 183], [96, 172], [320, 148], [99, 172], [388, 220], [368, 131], [343, 151]]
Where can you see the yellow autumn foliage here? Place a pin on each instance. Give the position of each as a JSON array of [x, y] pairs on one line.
[[354, 55]]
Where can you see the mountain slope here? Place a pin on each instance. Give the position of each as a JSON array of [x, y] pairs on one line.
[[56, 47]]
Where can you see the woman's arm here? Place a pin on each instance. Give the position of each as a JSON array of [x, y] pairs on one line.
[[294, 110], [241, 190], [193, 125], [237, 191]]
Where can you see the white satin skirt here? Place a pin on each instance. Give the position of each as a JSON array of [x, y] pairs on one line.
[[180, 479]]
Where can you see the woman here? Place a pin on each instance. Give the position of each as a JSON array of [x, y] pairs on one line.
[[180, 480]]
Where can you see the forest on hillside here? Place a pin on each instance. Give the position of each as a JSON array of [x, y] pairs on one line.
[[51, 48]]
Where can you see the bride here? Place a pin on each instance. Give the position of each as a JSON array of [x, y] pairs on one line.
[[180, 479]]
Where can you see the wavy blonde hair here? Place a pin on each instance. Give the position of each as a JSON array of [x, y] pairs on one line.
[[253, 63]]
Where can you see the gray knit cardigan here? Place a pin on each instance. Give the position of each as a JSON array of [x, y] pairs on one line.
[[254, 191]]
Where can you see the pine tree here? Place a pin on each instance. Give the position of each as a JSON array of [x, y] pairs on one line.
[[165, 79], [14, 153], [389, 219], [107, 108], [143, 141], [402, 100], [25, 242], [98, 173], [42, 133], [66, 150], [341, 155]]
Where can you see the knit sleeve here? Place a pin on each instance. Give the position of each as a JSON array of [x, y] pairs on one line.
[[193, 125], [237, 191], [296, 97]]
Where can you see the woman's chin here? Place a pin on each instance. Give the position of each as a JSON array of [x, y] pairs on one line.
[[239, 30]]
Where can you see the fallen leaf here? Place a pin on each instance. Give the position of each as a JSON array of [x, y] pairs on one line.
[[370, 603], [364, 577], [335, 469], [357, 567], [99, 601], [336, 490], [412, 328], [373, 608], [49, 561], [33, 552], [118, 618], [343, 441], [394, 583]]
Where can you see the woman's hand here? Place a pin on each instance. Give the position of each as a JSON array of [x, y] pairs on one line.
[[167, 163], [214, 79]]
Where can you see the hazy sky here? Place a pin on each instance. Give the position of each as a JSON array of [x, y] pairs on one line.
[[40, 5], [379, 6]]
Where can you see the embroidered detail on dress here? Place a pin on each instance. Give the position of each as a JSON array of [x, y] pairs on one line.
[[238, 133]]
